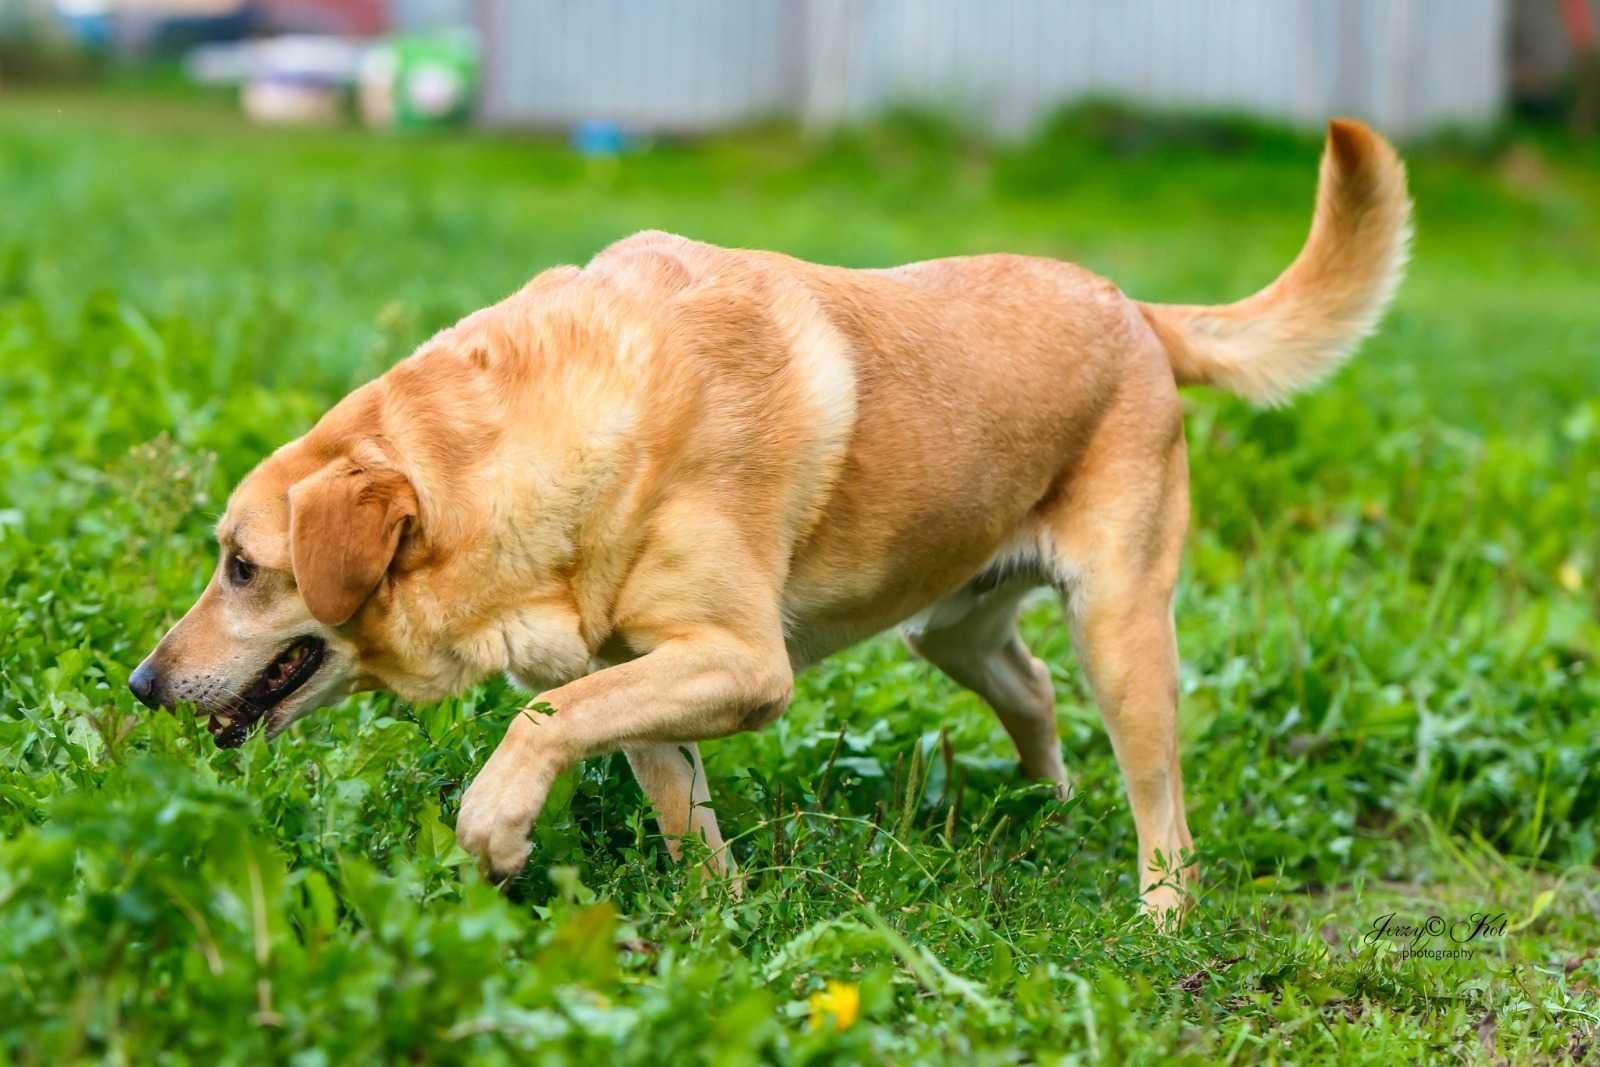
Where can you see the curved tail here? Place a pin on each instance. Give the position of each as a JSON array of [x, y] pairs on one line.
[[1299, 329]]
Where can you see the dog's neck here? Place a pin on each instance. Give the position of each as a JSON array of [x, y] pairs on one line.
[[530, 518]]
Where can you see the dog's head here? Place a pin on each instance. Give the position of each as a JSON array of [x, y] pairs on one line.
[[306, 542], [420, 538]]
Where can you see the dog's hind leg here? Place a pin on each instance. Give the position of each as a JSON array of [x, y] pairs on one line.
[[674, 779], [980, 649], [1117, 536]]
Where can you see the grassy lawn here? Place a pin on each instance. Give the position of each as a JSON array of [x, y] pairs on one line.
[[1389, 622]]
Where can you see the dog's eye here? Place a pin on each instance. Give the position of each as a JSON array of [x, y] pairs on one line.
[[240, 570]]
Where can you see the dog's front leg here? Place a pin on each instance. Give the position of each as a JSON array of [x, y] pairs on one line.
[[703, 684]]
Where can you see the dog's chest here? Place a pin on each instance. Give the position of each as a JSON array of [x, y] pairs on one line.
[[537, 647]]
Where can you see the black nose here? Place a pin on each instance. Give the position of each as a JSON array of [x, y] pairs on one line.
[[145, 683]]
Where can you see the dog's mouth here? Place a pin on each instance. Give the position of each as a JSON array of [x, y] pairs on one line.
[[292, 668]]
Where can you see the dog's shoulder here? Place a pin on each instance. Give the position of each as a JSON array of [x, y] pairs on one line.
[[656, 263]]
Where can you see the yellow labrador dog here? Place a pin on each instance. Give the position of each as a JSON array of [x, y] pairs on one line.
[[653, 488]]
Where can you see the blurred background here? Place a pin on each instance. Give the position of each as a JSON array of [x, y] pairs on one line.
[[609, 70], [216, 218]]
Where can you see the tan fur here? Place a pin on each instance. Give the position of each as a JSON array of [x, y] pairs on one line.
[[1299, 329], [345, 523], [653, 488]]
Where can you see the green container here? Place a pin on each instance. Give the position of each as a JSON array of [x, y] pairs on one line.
[[429, 82]]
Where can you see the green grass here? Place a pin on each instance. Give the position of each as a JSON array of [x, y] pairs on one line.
[[1388, 620]]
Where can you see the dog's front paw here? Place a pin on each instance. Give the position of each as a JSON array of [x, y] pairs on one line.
[[499, 842], [499, 807]]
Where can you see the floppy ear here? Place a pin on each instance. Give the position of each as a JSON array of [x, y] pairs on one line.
[[344, 524]]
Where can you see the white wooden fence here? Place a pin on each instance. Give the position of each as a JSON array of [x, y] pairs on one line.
[[1407, 65]]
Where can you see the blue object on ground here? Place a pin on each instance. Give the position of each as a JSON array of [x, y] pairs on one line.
[[599, 137]]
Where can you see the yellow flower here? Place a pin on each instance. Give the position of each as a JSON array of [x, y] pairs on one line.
[[1571, 577], [840, 1000]]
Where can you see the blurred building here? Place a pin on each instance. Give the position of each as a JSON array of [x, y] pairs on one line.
[[1544, 52], [1407, 65], [135, 25]]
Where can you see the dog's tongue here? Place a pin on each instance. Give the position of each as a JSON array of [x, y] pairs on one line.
[[285, 667]]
